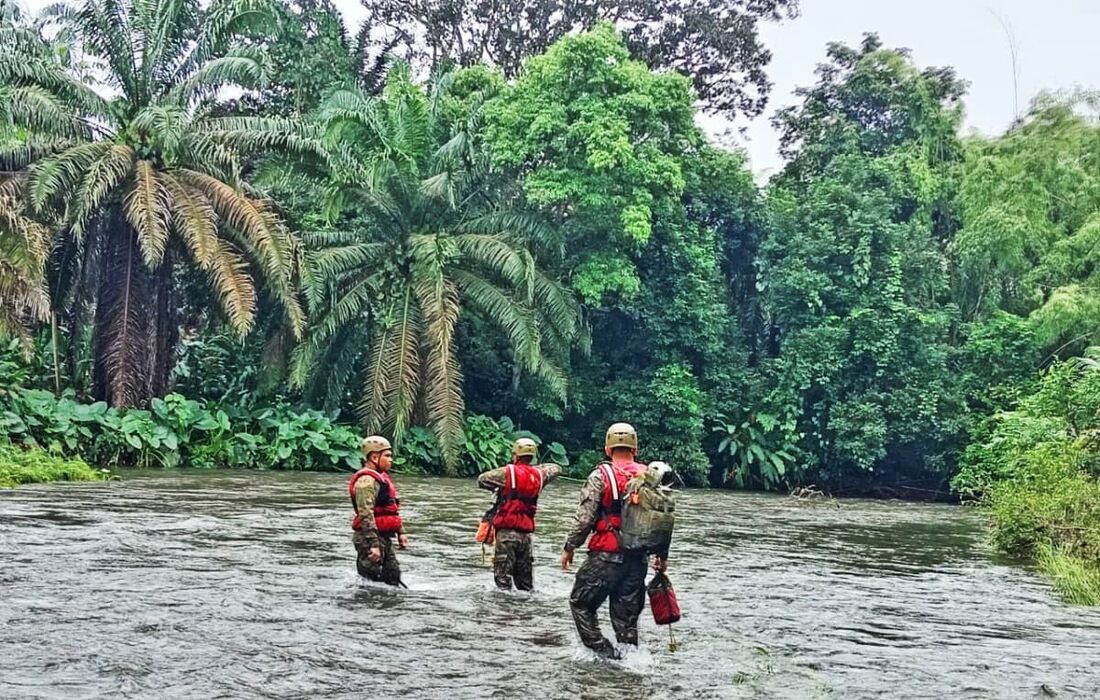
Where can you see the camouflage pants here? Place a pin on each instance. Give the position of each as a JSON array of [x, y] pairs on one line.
[[385, 570], [513, 559], [620, 577]]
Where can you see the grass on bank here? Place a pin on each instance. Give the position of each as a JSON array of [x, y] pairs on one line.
[[35, 466], [1076, 580]]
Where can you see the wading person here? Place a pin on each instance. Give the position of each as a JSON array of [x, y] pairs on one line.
[[377, 518], [609, 572], [513, 517]]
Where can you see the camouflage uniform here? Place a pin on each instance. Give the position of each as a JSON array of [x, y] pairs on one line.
[[619, 576], [513, 556], [386, 569]]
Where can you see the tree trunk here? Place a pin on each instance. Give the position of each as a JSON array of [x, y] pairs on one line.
[[123, 323], [167, 329]]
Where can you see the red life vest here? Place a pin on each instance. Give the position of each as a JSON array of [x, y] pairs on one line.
[[609, 519], [386, 504], [519, 498]]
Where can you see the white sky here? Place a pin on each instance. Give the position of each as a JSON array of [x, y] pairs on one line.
[[1055, 43], [1056, 48]]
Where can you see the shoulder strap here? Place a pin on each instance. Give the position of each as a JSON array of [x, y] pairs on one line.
[[511, 470], [609, 475]]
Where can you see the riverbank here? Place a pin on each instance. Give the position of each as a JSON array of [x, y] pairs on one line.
[[34, 466]]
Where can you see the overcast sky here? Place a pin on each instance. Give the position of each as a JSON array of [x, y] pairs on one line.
[[1055, 41]]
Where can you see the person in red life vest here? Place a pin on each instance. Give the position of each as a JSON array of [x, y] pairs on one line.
[[513, 517], [377, 514], [609, 571]]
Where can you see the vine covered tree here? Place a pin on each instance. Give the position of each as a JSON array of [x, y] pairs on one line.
[[853, 275]]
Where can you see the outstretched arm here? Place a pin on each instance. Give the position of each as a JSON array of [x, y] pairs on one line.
[[550, 471], [491, 480]]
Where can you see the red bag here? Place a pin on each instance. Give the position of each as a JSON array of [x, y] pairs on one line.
[[662, 600]]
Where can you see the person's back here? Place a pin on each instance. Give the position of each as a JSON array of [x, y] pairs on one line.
[[609, 571], [518, 486]]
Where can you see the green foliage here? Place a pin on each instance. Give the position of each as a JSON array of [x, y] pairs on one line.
[[667, 408], [852, 275], [1037, 470], [418, 452], [1029, 203], [435, 238], [178, 432], [1076, 580], [35, 466], [487, 444], [597, 140], [755, 449]]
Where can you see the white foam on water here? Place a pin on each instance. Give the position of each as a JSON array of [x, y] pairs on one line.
[[633, 659]]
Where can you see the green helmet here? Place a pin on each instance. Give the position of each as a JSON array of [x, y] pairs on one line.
[[524, 447], [374, 443], [621, 435]]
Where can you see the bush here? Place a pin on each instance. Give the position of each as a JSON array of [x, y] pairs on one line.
[[177, 431], [1034, 470], [487, 445], [35, 466]]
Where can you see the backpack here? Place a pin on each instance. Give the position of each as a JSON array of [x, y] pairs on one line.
[[649, 512]]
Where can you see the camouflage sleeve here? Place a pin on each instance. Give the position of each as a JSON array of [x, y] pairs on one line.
[[585, 519], [549, 472], [366, 492], [491, 480]]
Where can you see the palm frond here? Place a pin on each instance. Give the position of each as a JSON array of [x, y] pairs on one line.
[[194, 219], [228, 272], [443, 398], [241, 67], [147, 206], [62, 172], [100, 180], [393, 371], [264, 231]]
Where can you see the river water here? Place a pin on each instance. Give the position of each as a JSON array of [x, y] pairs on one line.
[[242, 585]]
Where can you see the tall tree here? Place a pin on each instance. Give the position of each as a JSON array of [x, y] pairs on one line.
[[716, 42], [1030, 210], [853, 273], [429, 236], [149, 182], [608, 150]]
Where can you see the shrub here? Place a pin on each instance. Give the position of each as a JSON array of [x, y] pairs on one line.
[[34, 466], [1034, 469]]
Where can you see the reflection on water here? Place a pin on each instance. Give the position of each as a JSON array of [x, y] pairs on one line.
[[185, 584]]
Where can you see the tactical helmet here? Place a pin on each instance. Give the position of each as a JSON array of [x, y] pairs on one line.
[[621, 435], [374, 443], [524, 447]]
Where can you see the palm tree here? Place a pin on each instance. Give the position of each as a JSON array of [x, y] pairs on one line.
[[23, 249], [144, 183], [431, 235], [24, 242]]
